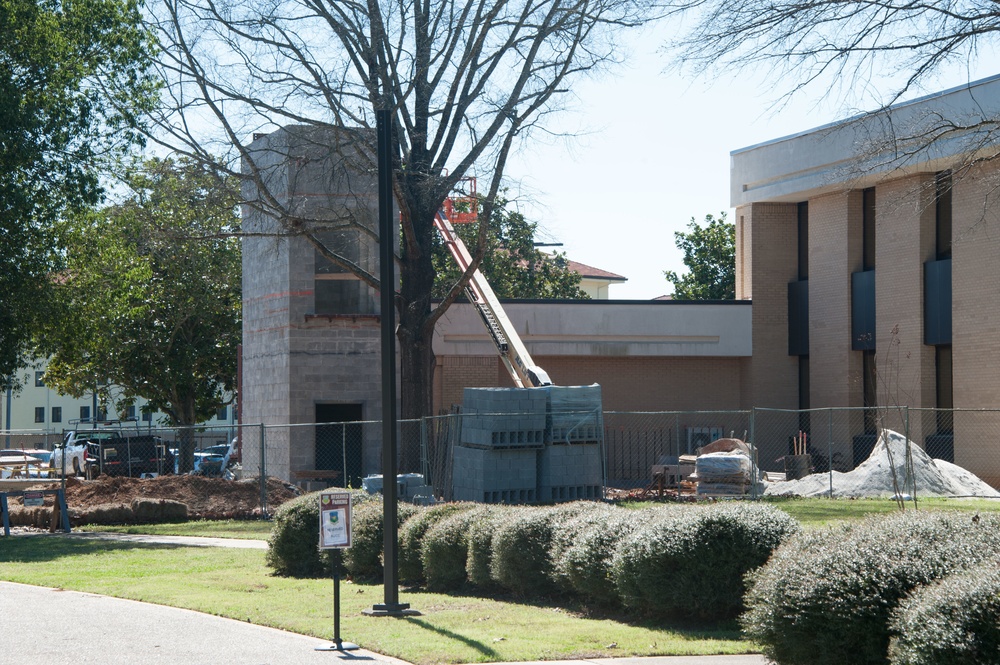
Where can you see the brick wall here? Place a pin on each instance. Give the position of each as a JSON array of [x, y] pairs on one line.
[[976, 315], [905, 239], [770, 230], [834, 253], [627, 383]]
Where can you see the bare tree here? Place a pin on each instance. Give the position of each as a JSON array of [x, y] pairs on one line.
[[885, 49], [466, 80]]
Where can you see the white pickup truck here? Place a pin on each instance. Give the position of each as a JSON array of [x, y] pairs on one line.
[[112, 447], [70, 456]]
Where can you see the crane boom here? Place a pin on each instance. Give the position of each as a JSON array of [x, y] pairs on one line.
[[512, 351]]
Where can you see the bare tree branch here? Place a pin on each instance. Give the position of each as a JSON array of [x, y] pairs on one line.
[[463, 79]]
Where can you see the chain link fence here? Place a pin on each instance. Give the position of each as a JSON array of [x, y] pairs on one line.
[[832, 441]]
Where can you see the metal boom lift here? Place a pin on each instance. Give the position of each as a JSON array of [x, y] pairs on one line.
[[513, 353]]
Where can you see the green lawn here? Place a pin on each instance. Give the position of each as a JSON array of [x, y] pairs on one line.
[[451, 629], [248, 529], [821, 512]]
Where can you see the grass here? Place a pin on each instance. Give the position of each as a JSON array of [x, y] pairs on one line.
[[813, 513], [451, 629], [247, 529]]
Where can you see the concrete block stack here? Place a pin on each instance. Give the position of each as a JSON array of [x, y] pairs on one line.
[[504, 417], [574, 414], [569, 472], [498, 475], [524, 445]]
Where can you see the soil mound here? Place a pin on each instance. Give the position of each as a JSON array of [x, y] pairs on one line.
[[206, 498]]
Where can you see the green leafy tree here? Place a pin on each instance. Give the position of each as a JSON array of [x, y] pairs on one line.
[[150, 299], [710, 256], [513, 266], [73, 79]]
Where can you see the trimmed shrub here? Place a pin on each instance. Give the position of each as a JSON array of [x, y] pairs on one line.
[[691, 563], [445, 549], [952, 622], [411, 537], [584, 567], [570, 520], [479, 540], [293, 546], [521, 561], [364, 558], [826, 597]]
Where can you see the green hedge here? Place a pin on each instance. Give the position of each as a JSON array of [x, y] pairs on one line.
[[445, 549], [691, 563], [571, 522], [479, 541], [952, 622], [826, 597], [411, 537], [583, 566], [293, 546], [363, 559], [520, 558]]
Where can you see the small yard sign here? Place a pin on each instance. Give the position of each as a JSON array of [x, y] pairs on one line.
[[34, 499], [334, 520]]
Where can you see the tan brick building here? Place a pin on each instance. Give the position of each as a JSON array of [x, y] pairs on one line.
[[891, 267], [860, 283]]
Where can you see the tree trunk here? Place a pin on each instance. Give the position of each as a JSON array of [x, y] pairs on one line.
[[416, 335], [185, 437]]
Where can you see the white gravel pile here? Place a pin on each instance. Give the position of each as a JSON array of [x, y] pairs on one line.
[[874, 476]]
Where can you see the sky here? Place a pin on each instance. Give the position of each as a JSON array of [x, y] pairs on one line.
[[655, 153]]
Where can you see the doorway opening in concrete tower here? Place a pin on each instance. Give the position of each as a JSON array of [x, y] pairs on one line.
[[339, 439]]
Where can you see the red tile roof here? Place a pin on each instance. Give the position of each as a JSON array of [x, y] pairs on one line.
[[593, 273]]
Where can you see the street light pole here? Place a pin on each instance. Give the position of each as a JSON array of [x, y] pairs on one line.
[[387, 291]]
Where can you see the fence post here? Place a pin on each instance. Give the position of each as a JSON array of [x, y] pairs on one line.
[[263, 474], [829, 436], [754, 459], [909, 457], [343, 453], [425, 467]]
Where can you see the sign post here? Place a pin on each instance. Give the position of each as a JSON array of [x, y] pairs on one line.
[[335, 533]]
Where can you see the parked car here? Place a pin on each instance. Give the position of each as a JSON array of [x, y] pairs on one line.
[[214, 460]]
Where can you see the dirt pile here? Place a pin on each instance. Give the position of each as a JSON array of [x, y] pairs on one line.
[[206, 498]]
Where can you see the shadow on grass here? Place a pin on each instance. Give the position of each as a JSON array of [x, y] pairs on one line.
[[687, 630], [478, 646], [31, 549]]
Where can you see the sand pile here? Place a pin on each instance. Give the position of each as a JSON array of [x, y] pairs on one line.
[[874, 476]]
